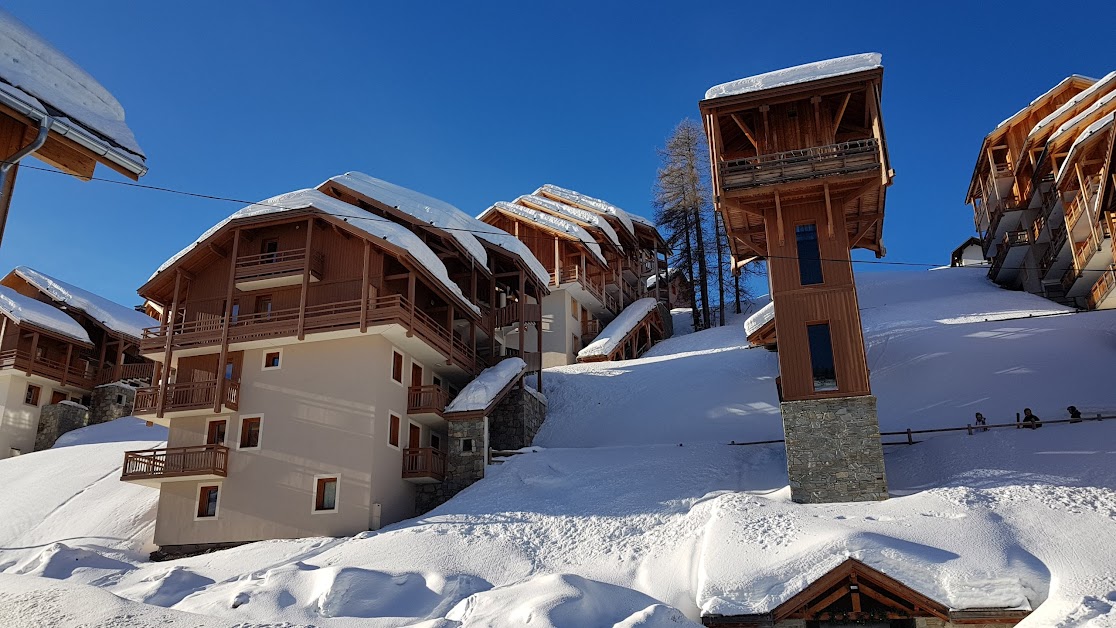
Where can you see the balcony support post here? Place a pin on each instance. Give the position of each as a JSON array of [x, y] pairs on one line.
[[522, 295], [557, 264], [171, 314], [364, 289], [101, 359], [66, 370], [538, 337], [34, 352], [411, 301], [118, 368], [226, 322], [305, 281]]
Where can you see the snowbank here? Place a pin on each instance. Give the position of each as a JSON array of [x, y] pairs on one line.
[[23, 309], [610, 337], [116, 317], [481, 392], [798, 74], [375, 226], [33, 66]]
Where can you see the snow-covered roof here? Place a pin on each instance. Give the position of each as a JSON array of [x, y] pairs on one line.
[[670, 273], [1089, 132], [798, 74], [432, 211], [23, 309], [610, 337], [763, 316], [375, 226], [1048, 93], [49, 83], [115, 317], [1069, 125], [595, 204], [482, 391], [1108, 81], [578, 214], [550, 222]]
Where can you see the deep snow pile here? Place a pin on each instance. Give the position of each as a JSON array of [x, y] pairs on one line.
[[650, 532]]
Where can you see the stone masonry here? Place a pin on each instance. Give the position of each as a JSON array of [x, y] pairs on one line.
[[111, 401], [833, 450], [56, 419], [514, 423]]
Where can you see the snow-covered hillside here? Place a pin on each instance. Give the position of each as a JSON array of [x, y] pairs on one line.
[[636, 512]]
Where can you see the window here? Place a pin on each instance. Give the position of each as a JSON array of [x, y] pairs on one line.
[[396, 366], [573, 307], [120, 400], [809, 256], [263, 306], [821, 357], [31, 397], [207, 502], [393, 431], [437, 381], [272, 359], [325, 493], [58, 396], [467, 444], [435, 441], [215, 432], [250, 428], [235, 311], [268, 249]]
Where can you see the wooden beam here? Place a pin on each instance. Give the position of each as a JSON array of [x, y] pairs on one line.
[[226, 323], [305, 280], [869, 186], [840, 114], [218, 250], [825, 602], [364, 289], [747, 131], [779, 218], [828, 210], [172, 314]]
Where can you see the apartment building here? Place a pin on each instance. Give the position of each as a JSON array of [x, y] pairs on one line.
[[1042, 195], [67, 357], [599, 258], [308, 359]]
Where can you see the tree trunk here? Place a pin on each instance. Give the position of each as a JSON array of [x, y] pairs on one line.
[[719, 234], [688, 259], [736, 280]]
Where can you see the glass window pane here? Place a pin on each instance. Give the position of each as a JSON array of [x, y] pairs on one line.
[[821, 357], [809, 256], [329, 494]]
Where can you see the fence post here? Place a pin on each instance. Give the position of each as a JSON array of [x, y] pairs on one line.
[[1017, 426], [970, 428], [910, 437]]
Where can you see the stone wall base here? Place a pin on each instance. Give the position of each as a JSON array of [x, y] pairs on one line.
[[111, 401], [172, 552], [833, 450], [55, 420], [515, 421]]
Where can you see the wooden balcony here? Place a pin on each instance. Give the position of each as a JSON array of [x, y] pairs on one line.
[[510, 314], [71, 375], [1102, 296], [187, 396], [799, 165], [424, 465], [152, 467], [591, 291], [590, 329], [278, 269], [427, 401], [142, 372], [327, 317], [533, 359]]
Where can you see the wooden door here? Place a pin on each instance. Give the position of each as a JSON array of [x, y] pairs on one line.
[[215, 432], [57, 397], [413, 438], [416, 374]]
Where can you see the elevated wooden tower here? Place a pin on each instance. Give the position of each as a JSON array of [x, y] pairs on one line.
[[800, 168]]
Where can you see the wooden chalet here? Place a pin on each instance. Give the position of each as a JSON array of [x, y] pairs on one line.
[[1042, 196], [42, 341], [855, 593], [53, 110]]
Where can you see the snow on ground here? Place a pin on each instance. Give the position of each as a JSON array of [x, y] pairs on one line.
[[647, 517], [609, 338]]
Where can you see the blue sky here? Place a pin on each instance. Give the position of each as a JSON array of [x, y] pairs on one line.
[[478, 102]]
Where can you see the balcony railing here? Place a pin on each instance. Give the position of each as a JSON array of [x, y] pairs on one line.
[[797, 165], [266, 265], [999, 208], [318, 318], [80, 377], [186, 396], [533, 359], [176, 462], [142, 371], [1103, 287], [1069, 278], [1074, 211], [424, 463], [509, 314], [427, 399], [573, 274]]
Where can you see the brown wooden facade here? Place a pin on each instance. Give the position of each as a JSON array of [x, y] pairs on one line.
[[35, 350], [810, 155]]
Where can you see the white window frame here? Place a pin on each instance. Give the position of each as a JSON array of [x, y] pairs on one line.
[[388, 439], [240, 430], [263, 359], [197, 501], [314, 495], [205, 434], [402, 367]]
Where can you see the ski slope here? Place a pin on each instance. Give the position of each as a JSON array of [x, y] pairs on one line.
[[635, 511]]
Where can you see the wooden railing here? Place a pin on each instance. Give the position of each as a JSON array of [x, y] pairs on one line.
[[142, 371], [1074, 211], [997, 209], [176, 462], [806, 163], [509, 314], [1102, 287], [427, 399], [186, 396], [590, 327], [317, 318], [533, 359], [50, 369], [278, 263], [424, 462], [1070, 277], [573, 274]]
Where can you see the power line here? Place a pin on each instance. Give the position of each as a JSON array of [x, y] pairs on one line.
[[373, 218]]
